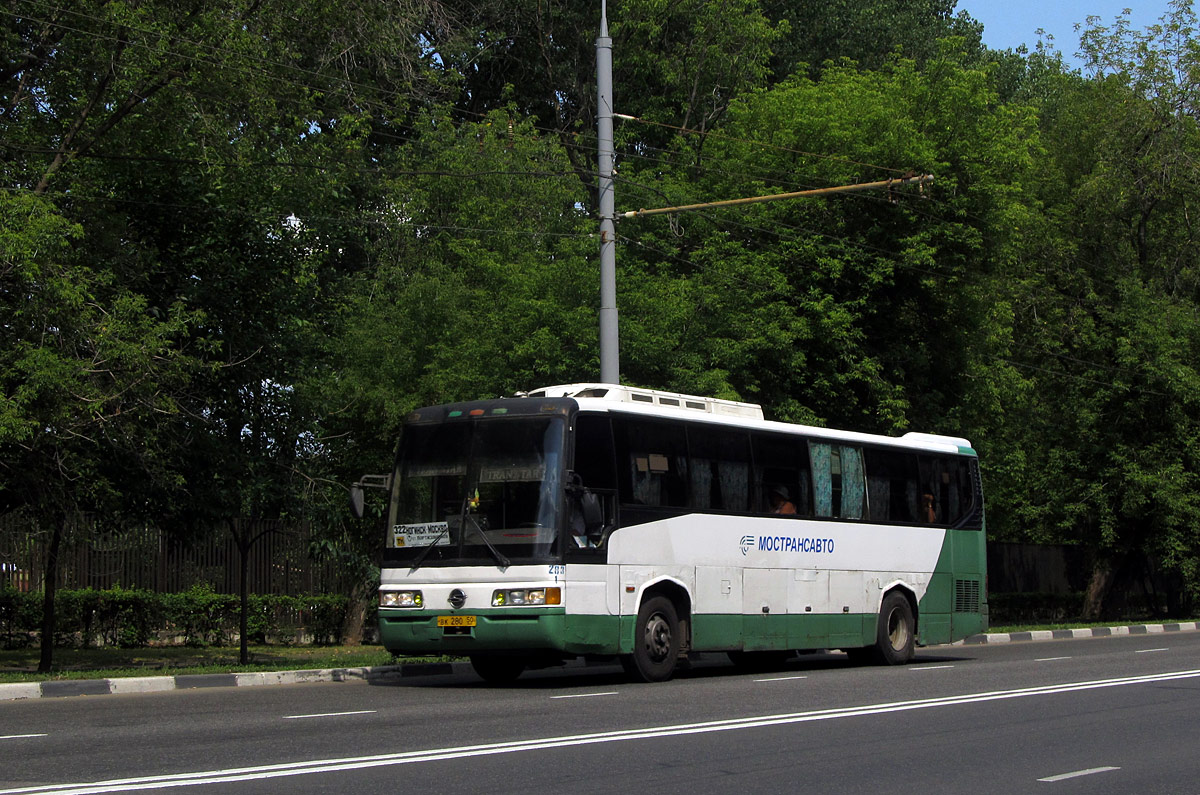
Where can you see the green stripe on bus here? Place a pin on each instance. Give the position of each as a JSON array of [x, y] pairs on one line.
[[601, 635]]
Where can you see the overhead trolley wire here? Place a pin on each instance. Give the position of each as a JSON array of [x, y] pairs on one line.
[[375, 218], [712, 134]]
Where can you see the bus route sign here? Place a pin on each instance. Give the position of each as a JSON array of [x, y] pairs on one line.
[[420, 535]]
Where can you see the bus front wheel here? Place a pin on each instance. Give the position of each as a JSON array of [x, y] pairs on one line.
[[656, 642], [497, 669]]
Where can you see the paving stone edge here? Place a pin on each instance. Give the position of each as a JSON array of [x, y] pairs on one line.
[[1091, 632]]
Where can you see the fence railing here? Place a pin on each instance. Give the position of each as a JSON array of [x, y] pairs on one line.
[[148, 558]]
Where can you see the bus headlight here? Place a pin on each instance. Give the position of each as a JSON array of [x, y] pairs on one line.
[[401, 599], [524, 597]]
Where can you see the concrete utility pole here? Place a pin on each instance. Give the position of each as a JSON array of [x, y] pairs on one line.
[[610, 370]]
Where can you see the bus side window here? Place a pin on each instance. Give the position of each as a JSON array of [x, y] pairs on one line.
[[892, 492], [654, 463], [839, 490], [591, 511], [946, 483], [594, 452], [781, 475], [719, 469]]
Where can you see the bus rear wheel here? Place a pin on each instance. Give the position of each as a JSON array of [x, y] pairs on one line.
[[497, 669], [656, 642], [895, 638]]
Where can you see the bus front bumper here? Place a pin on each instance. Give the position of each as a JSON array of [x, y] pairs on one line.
[[544, 629]]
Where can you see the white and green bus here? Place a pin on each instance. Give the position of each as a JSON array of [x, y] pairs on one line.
[[597, 520]]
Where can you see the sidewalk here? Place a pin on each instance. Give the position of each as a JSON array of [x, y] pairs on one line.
[[149, 684]]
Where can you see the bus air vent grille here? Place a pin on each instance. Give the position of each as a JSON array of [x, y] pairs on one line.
[[966, 596]]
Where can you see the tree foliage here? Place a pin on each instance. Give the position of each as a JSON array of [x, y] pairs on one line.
[[239, 241]]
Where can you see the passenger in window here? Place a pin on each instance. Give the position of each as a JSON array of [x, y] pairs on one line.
[[781, 501], [928, 512]]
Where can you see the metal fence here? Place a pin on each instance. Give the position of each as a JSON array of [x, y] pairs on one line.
[[279, 563], [148, 558]]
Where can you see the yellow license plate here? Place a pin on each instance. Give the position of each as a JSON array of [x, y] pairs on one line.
[[456, 621]]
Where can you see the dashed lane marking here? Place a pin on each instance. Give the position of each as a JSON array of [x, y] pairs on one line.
[[1091, 771], [227, 776]]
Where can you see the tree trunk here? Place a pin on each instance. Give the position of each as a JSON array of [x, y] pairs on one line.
[[1101, 582], [50, 589], [243, 546], [356, 615]]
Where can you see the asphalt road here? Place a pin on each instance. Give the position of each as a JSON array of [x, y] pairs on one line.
[[1117, 715]]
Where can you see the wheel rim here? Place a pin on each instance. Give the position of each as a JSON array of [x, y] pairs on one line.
[[897, 630], [658, 638]]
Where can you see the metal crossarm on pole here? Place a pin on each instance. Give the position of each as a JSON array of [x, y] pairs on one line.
[[886, 184]]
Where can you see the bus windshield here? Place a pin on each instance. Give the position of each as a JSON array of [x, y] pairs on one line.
[[477, 492]]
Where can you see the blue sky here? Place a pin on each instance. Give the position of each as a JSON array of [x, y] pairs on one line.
[[1009, 23]]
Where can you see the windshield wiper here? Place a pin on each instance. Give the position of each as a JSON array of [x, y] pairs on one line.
[[497, 554], [464, 515], [425, 552]]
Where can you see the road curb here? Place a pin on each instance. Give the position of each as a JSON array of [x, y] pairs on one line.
[[1070, 634], [62, 688], [148, 684]]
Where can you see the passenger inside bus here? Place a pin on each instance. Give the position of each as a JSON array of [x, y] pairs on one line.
[[928, 512], [781, 501]]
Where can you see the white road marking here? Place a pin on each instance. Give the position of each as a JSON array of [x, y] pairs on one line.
[[1050, 659], [929, 667], [262, 772], [588, 695], [1147, 651], [1089, 772], [780, 678], [330, 714], [20, 736]]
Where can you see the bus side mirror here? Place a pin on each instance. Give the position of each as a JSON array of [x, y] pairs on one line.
[[370, 482]]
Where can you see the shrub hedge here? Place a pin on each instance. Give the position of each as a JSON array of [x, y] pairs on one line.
[[201, 617], [1034, 608], [131, 618]]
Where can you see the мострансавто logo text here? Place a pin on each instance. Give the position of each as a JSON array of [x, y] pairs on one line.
[[787, 544]]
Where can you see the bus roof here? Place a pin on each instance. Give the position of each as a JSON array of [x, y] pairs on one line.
[[653, 397], [654, 402]]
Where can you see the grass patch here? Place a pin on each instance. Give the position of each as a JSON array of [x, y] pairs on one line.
[[20, 665]]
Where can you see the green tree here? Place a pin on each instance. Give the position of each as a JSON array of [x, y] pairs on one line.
[[87, 379], [867, 33], [199, 161], [676, 63], [1104, 315], [483, 283], [842, 310]]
